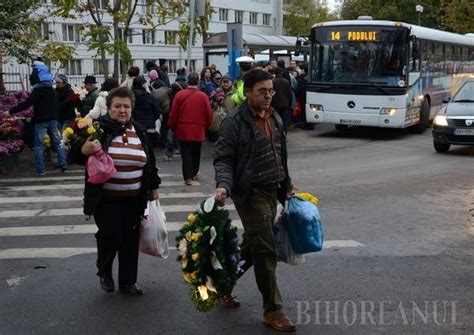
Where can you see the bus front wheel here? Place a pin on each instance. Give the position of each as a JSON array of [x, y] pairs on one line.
[[424, 118], [341, 127]]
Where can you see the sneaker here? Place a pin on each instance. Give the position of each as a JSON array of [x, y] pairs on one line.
[[41, 173], [64, 169], [189, 182]]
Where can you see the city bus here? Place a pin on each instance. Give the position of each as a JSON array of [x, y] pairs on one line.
[[382, 73]]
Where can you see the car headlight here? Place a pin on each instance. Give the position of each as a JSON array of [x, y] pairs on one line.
[[440, 120], [388, 111], [316, 108]]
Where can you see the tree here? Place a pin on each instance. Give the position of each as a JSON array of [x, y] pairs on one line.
[[113, 21], [395, 10], [300, 15], [458, 15], [20, 35]]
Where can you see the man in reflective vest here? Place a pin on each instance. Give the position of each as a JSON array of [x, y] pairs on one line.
[[245, 64]]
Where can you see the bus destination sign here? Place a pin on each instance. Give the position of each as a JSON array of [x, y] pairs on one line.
[[353, 36]]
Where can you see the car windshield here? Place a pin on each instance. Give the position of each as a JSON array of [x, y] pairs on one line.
[[375, 57], [466, 93]]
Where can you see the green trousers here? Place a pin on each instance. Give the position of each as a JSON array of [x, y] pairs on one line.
[[258, 245]]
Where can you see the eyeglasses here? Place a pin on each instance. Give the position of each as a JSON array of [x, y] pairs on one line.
[[217, 78], [263, 92]]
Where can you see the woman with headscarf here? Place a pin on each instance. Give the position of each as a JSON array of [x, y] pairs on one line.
[[119, 204], [67, 113]]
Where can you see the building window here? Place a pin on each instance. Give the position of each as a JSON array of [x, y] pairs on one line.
[[71, 33], [193, 65], [223, 14], [121, 32], [101, 4], [266, 19], [43, 31], [148, 36], [73, 67], [253, 18], [171, 37], [239, 16], [172, 65], [99, 66]]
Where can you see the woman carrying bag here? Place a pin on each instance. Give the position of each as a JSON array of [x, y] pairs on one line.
[[118, 204]]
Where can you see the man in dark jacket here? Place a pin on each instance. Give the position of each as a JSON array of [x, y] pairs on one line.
[[251, 168], [45, 114], [66, 109], [147, 108], [91, 96], [283, 98]]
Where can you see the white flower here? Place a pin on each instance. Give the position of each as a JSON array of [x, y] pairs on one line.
[[210, 285], [215, 262], [209, 204], [213, 235], [203, 292], [183, 247]]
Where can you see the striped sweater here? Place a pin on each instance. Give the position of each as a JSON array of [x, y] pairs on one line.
[[129, 159]]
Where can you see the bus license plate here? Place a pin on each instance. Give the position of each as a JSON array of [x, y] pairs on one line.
[[353, 122], [464, 132]]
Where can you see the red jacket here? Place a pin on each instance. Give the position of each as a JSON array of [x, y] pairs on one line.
[[190, 115]]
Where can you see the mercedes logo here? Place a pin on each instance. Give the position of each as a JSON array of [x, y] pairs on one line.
[[469, 122], [351, 104]]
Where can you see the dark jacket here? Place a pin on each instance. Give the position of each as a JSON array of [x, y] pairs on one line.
[[89, 101], [150, 178], [283, 95], [178, 85], [235, 155], [163, 75], [147, 109], [66, 110], [45, 104]]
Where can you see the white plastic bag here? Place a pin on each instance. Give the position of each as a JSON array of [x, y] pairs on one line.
[[153, 233], [282, 242]]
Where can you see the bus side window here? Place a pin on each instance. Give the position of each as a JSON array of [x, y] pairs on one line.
[[414, 62]]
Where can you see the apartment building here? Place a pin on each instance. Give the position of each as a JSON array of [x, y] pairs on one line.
[[257, 16]]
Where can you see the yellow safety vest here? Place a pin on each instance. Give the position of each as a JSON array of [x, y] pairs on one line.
[[239, 97]]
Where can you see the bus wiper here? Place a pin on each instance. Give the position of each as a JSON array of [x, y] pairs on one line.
[[464, 100], [378, 87]]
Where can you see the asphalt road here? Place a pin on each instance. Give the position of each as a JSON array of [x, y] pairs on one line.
[[399, 259]]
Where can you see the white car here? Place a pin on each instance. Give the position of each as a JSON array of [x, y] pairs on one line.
[[454, 123]]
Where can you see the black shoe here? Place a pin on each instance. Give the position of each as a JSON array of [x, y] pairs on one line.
[[132, 289], [107, 283]]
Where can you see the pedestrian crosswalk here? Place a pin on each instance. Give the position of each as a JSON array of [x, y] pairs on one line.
[[43, 217]]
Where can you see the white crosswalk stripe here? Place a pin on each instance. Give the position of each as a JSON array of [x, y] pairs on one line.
[[60, 197]]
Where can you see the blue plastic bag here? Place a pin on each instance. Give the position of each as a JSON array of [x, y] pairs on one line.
[[303, 223]]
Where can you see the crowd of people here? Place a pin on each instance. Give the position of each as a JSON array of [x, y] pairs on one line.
[[247, 119]]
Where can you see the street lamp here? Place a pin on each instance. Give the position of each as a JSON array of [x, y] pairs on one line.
[[419, 10]]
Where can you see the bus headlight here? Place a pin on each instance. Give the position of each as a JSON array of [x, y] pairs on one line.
[[388, 111], [316, 108], [440, 120]]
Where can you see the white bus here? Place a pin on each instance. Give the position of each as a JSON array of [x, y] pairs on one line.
[[382, 73]]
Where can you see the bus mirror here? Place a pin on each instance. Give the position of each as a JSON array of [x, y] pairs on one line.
[[298, 48], [446, 100]]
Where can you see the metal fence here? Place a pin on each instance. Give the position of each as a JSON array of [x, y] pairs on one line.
[[16, 78]]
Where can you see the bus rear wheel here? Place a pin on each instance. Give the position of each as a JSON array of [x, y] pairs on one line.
[[424, 118], [441, 147], [341, 127]]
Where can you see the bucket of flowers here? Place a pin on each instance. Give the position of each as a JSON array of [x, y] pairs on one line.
[[11, 144], [209, 253]]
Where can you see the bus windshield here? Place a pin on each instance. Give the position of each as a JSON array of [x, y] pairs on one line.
[[359, 55]]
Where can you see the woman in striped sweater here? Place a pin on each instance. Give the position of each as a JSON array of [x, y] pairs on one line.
[[119, 204]]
